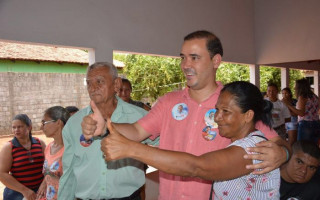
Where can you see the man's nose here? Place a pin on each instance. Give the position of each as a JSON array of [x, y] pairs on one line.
[[303, 169], [185, 63]]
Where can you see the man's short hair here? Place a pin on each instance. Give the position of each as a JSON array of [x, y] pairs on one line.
[[124, 80], [307, 147], [214, 45], [112, 69], [271, 84]]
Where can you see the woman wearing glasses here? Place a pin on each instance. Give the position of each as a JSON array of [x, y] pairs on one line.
[[21, 161], [53, 121]]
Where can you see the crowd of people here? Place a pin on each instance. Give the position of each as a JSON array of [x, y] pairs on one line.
[[216, 142]]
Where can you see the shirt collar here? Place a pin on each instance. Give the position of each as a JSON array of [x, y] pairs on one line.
[[16, 142]]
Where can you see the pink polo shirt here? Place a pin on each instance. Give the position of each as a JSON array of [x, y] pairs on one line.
[[184, 131]]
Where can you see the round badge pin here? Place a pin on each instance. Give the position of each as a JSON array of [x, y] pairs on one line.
[[208, 133], [209, 118], [85, 142], [180, 111]]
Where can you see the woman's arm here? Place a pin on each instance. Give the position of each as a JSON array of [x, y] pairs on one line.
[[218, 165], [301, 106], [8, 180]]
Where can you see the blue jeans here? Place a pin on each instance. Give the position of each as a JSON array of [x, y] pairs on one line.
[[309, 130], [9, 194]]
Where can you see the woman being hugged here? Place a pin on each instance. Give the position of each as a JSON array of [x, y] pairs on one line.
[[53, 121], [239, 106], [21, 161], [307, 110]]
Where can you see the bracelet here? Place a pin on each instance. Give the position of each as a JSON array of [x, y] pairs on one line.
[[287, 153]]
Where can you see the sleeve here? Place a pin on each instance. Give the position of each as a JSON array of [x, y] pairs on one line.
[[67, 181], [267, 131], [152, 122], [246, 142]]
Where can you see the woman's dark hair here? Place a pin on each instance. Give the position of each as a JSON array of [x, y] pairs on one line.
[[303, 88], [72, 109], [58, 112], [25, 119], [289, 91], [249, 97]]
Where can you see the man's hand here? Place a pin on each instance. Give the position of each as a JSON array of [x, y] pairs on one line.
[[93, 124], [271, 155], [115, 146]]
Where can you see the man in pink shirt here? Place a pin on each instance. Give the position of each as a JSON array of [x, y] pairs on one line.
[[200, 58]]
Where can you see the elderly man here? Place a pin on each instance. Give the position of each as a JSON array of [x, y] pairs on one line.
[[201, 55], [85, 173], [298, 177]]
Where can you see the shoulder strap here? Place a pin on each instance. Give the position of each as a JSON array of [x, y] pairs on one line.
[[211, 191], [261, 137]]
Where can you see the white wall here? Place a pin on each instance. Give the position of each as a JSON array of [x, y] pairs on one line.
[[287, 30], [146, 26]]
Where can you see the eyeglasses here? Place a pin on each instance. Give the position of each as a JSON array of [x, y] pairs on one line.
[[47, 122]]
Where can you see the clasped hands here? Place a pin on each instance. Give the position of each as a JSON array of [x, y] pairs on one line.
[[114, 146]]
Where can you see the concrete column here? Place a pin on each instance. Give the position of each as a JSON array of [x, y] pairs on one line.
[[92, 56], [316, 82], [255, 75], [284, 78]]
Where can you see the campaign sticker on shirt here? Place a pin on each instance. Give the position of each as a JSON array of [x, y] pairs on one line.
[[51, 191], [209, 118], [55, 166], [85, 142], [208, 133], [180, 111]]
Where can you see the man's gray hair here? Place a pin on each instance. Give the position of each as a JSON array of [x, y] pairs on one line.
[[112, 69]]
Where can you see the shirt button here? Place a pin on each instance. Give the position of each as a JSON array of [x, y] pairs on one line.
[[200, 105], [182, 196], [102, 189], [195, 122], [103, 173]]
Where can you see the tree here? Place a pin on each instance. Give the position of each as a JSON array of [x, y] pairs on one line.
[[273, 74], [229, 72], [152, 76]]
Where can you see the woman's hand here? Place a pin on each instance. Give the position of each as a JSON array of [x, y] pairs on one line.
[[41, 194]]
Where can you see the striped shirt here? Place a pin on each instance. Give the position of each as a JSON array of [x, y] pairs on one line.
[[249, 187], [27, 164]]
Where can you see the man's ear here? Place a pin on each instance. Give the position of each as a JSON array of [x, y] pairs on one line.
[[117, 85], [216, 60]]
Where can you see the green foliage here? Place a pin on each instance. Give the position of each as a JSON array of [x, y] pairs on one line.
[[229, 72], [273, 74], [269, 74], [151, 76]]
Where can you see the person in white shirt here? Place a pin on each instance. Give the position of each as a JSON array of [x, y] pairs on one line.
[[280, 112]]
